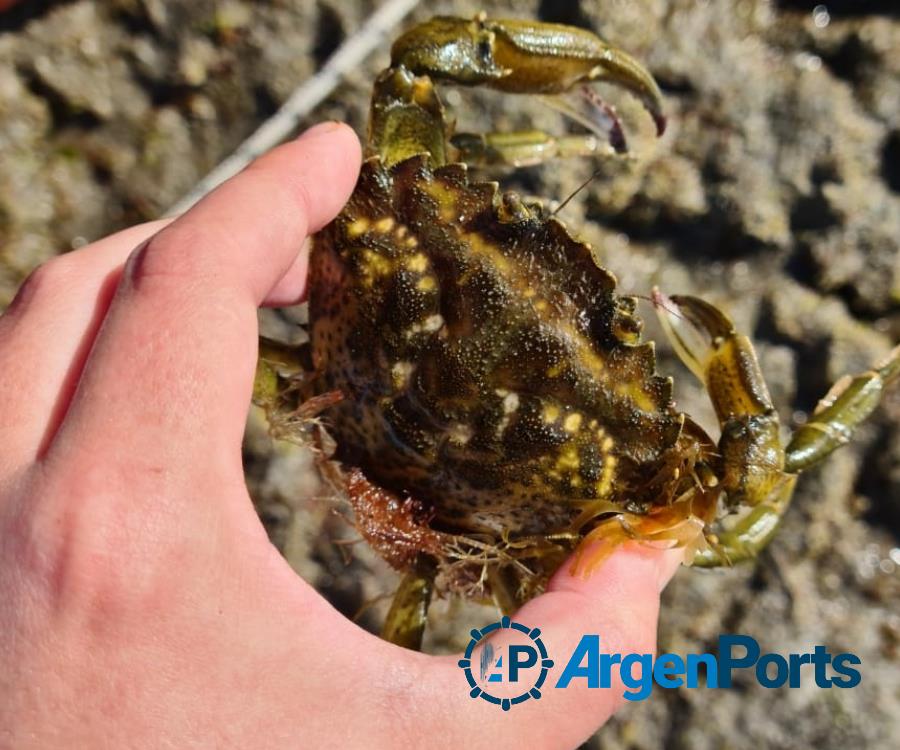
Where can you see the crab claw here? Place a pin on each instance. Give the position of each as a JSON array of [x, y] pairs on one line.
[[691, 344], [706, 341], [622, 69], [551, 58], [522, 57], [586, 107]]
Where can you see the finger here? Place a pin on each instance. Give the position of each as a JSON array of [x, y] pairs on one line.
[[291, 288], [619, 602], [408, 692], [168, 381], [45, 335]]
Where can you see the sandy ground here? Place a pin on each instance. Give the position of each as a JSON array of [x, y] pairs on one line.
[[774, 193]]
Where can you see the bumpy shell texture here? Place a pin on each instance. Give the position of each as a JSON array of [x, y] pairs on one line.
[[489, 369]]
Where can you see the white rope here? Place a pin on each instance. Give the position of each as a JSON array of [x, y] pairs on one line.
[[304, 99]]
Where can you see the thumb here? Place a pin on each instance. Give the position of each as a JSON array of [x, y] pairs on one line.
[[619, 602]]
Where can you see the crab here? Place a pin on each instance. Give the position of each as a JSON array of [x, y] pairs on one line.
[[474, 384]]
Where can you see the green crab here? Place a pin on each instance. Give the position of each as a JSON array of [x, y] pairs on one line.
[[473, 382]]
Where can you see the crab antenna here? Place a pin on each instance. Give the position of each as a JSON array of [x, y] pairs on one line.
[[594, 175]]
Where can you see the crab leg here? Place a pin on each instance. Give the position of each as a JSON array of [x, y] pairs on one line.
[[752, 470], [406, 619], [524, 147], [527, 147], [750, 446], [277, 363], [407, 118], [756, 471], [750, 533], [850, 401]]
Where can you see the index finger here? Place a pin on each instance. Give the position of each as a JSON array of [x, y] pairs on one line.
[[168, 380]]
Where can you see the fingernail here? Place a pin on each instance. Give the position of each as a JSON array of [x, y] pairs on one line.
[[323, 128]]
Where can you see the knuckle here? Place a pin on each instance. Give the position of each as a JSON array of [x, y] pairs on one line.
[[80, 547], [46, 281], [175, 256]]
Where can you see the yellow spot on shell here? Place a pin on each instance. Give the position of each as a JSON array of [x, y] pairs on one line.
[[384, 225], [446, 200], [417, 263], [429, 325], [358, 227], [426, 284], [432, 323], [509, 405], [484, 249], [374, 264], [572, 423], [400, 373], [635, 393], [590, 359], [460, 433], [604, 485], [607, 444], [568, 459], [551, 413], [510, 401]]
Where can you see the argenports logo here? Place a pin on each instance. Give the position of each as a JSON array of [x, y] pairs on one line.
[[639, 673], [510, 671], [512, 666]]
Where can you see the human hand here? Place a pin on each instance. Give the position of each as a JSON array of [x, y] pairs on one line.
[[141, 603]]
